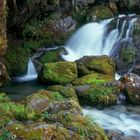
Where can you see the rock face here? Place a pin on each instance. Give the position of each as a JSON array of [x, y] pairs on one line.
[[99, 13], [131, 87], [3, 40], [58, 73], [100, 64]]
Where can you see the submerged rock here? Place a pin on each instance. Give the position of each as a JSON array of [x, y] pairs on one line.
[[100, 64], [58, 73]]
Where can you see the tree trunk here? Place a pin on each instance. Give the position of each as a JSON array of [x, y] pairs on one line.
[[3, 41]]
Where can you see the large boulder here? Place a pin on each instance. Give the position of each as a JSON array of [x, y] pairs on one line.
[[100, 64], [58, 73], [131, 88], [93, 78], [99, 95]]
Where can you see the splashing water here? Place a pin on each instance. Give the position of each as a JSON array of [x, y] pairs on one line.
[[116, 118], [30, 75], [93, 39]]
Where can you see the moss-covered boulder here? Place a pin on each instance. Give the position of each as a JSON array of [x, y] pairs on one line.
[[93, 78], [41, 100], [100, 64], [99, 95], [99, 12], [58, 73], [67, 91], [51, 56]]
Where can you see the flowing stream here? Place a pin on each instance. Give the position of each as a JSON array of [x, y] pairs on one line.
[[125, 119]]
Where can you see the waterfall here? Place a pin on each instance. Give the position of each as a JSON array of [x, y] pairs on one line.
[[30, 75], [95, 39]]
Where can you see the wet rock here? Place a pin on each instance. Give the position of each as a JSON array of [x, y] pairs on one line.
[[100, 64], [81, 89], [58, 73], [131, 87]]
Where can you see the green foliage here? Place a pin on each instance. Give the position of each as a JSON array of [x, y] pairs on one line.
[[101, 95], [57, 96], [16, 58], [4, 97], [45, 115], [129, 54], [6, 135], [80, 16]]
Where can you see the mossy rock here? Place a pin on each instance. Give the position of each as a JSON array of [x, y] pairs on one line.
[[51, 56], [78, 124], [99, 12], [58, 73], [5, 118], [99, 95], [55, 107], [93, 79], [17, 111], [41, 130], [41, 100], [4, 97], [16, 58], [67, 91], [100, 64]]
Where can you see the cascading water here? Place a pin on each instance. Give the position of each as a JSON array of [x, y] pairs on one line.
[[117, 118], [30, 75], [94, 39]]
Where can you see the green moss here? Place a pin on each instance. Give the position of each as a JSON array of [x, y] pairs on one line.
[[128, 54], [66, 91], [57, 96], [6, 135], [16, 58], [93, 79], [99, 12], [100, 95], [4, 98], [51, 56], [59, 72]]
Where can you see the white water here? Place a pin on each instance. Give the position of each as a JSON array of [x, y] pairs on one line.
[[30, 75], [116, 118], [94, 39]]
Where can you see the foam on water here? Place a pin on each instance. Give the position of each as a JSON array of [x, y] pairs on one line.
[[116, 118], [30, 75], [94, 39]]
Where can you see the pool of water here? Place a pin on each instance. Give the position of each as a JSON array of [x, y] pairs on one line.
[[17, 91]]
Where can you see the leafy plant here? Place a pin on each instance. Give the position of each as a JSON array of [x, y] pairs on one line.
[[6, 135]]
